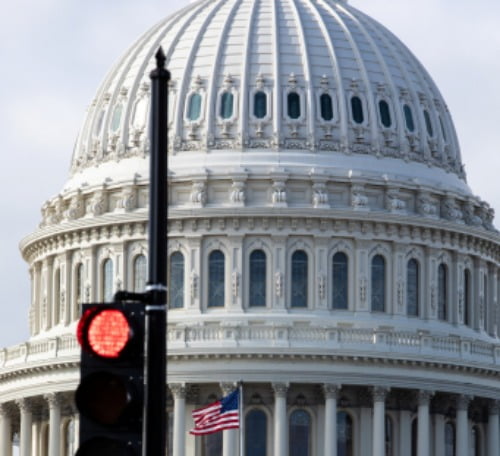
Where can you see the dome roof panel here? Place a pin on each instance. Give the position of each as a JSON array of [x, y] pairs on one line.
[[294, 51]]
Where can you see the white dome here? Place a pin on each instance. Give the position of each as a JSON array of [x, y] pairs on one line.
[[304, 48]]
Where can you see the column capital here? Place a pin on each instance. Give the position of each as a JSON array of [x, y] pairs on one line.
[[424, 397], [54, 399], [6, 410], [179, 390], [280, 389], [25, 405], [227, 387], [380, 393], [462, 402], [494, 407], [331, 390]]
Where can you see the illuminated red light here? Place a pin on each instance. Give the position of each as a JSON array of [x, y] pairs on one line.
[[107, 333]]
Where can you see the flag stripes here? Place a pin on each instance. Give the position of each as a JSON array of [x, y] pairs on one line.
[[215, 417]]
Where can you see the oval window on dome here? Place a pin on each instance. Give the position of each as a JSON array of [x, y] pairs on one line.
[[357, 110], [385, 113], [226, 105], [293, 101], [428, 123], [194, 107], [410, 125], [260, 105], [117, 117], [326, 105]]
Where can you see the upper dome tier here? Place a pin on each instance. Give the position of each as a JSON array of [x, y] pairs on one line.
[[292, 82]]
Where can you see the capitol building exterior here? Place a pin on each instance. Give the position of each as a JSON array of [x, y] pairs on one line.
[[324, 246]]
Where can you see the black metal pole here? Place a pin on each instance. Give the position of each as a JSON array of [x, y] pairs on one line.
[[155, 423]]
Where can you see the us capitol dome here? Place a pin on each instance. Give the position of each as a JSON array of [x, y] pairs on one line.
[[324, 246]]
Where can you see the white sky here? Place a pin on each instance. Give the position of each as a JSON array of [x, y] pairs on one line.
[[55, 53]]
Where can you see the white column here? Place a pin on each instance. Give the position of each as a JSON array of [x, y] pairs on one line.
[[423, 447], [404, 433], [379, 395], [280, 420], [438, 434], [462, 425], [229, 436], [25, 434], [493, 424], [179, 432], [331, 395], [5, 431], [55, 401]]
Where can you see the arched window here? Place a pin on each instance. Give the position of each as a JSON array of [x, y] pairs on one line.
[[226, 105], [344, 434], [378, 284], [414, 437], [216, 280], [326, 105], [389, 436], [79, 289], [299, 279], [410, 125], [293, 102], [442, 292], [385, 113], [212, 444], [357, 110], [117, 116], [176, 285], [256, 433], [139, 273], [299, 433], [257, 284], [260, 105], [107, 280], [57, 296], [449, 439], [412, 279], [428, 123], [339, 281], [194, 107], [467, 310]]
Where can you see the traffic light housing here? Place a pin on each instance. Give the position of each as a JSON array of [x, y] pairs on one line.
[[110, 396]]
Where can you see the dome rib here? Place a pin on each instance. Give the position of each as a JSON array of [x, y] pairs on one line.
[[277, 79], [344, 112]]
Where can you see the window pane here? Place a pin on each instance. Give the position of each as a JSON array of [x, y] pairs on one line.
[[409, 118], [256, 433], [357, 110], [385, 113], [299, 433], [428, 123], [226, 105], [194, 110], [442, 292], [293, 105], [107, 280], [299, 279], [260, 105], [257, 286], [378, 284], [412, 289], [216, 279], [139, 273], [326, 107], [344, 434], [176, 286], [339, 282]]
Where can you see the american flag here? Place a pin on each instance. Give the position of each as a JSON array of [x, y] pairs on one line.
[[215, 417]]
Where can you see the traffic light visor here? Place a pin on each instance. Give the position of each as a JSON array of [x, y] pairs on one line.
[[104, 331]]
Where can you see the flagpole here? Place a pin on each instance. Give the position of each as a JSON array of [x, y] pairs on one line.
[[242, 421]]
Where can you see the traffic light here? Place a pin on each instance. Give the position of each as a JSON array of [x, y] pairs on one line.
[[110, 396]]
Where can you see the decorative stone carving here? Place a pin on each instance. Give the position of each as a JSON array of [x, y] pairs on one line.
[[451, 211], [424, 397], [331, 391], [401, 292], [462, 402], [322, 286], [320, 195], [194, 285], [97, 203], [54, 399], [362, 289], [394, 203], [379, 393], [433, 297], [76, 208], [227, 388], [238, 195], [279, 193], [280, 389], [278, 283], [199, 193], [128, 201], [460, 304], [426, 205], [235, 282], [179, 390], [469, 215], [359, 201]]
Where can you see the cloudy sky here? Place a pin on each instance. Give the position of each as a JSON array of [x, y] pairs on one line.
[[55, 53]]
